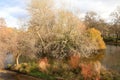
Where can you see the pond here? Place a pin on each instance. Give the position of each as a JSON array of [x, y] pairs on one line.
[[112, 58]]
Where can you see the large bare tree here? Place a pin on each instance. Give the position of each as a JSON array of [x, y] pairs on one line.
[[58, 33]]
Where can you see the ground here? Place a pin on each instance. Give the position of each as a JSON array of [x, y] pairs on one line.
[[8, 75]]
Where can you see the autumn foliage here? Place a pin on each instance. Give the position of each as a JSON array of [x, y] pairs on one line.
[[43, 64], [74, 61], [91, 70], [95, 36], [7, 36]]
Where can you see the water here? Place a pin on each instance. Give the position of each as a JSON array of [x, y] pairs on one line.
[[9, 60], [112, 58]]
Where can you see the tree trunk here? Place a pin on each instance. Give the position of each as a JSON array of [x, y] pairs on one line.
[[17, 59], [117, 37]]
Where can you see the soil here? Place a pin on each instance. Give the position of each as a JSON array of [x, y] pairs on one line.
[[9, 75]]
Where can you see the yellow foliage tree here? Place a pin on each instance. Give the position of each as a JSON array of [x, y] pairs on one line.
[[95, 36]]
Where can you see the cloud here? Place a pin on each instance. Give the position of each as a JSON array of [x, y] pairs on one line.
[[102, 7], [13, 10]]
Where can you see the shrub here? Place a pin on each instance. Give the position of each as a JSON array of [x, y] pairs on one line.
[[95, 36], [23, 67], [74, 61], [109, 75], [43, 64], [91, 70]]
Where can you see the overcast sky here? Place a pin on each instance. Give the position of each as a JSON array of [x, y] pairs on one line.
[[12, 10]]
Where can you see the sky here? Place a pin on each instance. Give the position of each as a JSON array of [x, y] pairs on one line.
[[14, 10]]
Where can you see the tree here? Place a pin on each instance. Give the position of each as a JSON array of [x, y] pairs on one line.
[[16, 42], [116, 23], [91, 19], [59, 34], [6, 42], [25, 46], [104, 28], [42, 16], [2, 22], [5, 35]]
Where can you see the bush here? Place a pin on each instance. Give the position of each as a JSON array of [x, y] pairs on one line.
[[110, 75], [74, 61], [95, 35], [24, 67], [57, 68]]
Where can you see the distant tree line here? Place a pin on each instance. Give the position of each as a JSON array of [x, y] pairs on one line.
[[110, 30]]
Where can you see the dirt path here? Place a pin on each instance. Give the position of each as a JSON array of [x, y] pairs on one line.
[[8, 75]]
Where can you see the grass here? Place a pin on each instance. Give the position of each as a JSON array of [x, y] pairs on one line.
[[42, 75]]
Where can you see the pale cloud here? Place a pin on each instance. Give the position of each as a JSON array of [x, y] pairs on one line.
[[13, 10], [102, 7], [12, 15]]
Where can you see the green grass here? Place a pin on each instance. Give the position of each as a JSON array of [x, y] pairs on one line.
[[41, 75]]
